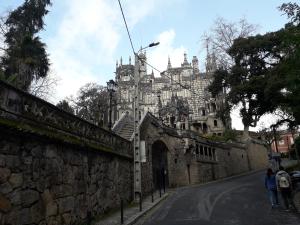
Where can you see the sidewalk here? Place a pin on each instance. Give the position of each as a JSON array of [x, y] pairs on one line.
[[131, 212]]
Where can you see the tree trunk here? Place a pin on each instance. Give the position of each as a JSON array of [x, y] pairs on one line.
[[246, 133]]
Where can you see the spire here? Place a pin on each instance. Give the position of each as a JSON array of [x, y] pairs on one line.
[[169, 63], [185, 62], [121, 61], [129, 60], [195, 64], [185, 58]]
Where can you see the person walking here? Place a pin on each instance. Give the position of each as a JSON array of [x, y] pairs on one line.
[[270, 184], [284, 186]]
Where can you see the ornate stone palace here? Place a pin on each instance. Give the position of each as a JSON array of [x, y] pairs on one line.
[[178, 96]]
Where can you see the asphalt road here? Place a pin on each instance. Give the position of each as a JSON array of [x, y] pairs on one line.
[[238, 201]]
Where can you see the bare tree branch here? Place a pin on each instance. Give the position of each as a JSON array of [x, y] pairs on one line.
[[222, 35]]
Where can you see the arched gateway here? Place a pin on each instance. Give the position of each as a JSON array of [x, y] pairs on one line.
[[160, 164]]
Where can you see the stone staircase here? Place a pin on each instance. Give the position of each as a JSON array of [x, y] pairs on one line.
[[124, 127]]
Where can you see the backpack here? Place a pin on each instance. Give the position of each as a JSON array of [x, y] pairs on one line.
[[283, 182]]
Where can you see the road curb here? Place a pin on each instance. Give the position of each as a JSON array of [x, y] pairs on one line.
[[138, 216]]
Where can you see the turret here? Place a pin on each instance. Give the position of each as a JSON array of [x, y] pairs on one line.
[[185, 62], [195, 64]]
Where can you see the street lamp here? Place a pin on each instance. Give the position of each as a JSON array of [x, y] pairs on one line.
[[136, 140], [111, 87]]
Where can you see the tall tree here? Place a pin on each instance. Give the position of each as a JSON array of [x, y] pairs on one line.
[[65, 105], [265, 72], [25, 55], [91, 103]]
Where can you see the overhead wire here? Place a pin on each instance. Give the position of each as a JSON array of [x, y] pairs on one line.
[[128, 33]]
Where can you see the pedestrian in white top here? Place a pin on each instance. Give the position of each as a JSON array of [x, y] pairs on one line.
[[284, 186]]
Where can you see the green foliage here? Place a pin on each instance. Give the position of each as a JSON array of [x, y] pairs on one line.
[[228, 135], [265, 75], [26, 54], [92, 103], [64, 105]]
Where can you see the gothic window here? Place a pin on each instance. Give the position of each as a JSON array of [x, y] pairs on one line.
[[213, 106], [140, 115], [215, 123], [203, 112], [182, 126]]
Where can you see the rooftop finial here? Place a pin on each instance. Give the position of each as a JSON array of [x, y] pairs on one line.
[[169, 63]]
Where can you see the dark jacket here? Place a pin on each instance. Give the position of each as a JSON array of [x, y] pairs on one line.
[[270, 182]]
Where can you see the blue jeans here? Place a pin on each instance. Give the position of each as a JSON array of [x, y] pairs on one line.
[[273, 197]]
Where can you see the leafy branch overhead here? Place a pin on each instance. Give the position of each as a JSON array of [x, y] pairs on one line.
[[265, 72], [24, 53]]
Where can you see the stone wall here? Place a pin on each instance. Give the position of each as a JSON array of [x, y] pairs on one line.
[[257, 154], [192, 159], [47, 182], [56, 168]]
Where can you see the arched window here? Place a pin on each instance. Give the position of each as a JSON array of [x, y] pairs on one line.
[[203, 112], [215, 123], [213, 106]]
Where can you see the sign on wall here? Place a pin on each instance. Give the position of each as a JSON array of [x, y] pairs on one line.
[[143, 151]]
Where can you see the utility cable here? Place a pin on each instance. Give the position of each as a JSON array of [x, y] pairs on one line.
[[124, 19]]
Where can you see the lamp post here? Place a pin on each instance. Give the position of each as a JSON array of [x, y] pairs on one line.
[[136, 140], [111, 87]]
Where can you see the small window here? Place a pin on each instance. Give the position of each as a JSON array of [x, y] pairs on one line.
[[228, 153], [215, 123], [242, 156], [175, 161], [219, 134], [203, 112]]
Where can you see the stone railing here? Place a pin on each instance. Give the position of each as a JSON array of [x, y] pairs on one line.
[[25, 109]]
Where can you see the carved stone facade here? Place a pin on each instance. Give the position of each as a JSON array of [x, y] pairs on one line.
[[178, 96]]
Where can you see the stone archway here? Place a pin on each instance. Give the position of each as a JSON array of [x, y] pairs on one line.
[[160, 172]]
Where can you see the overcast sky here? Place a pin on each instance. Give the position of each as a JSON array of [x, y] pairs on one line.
[[85, 38]]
